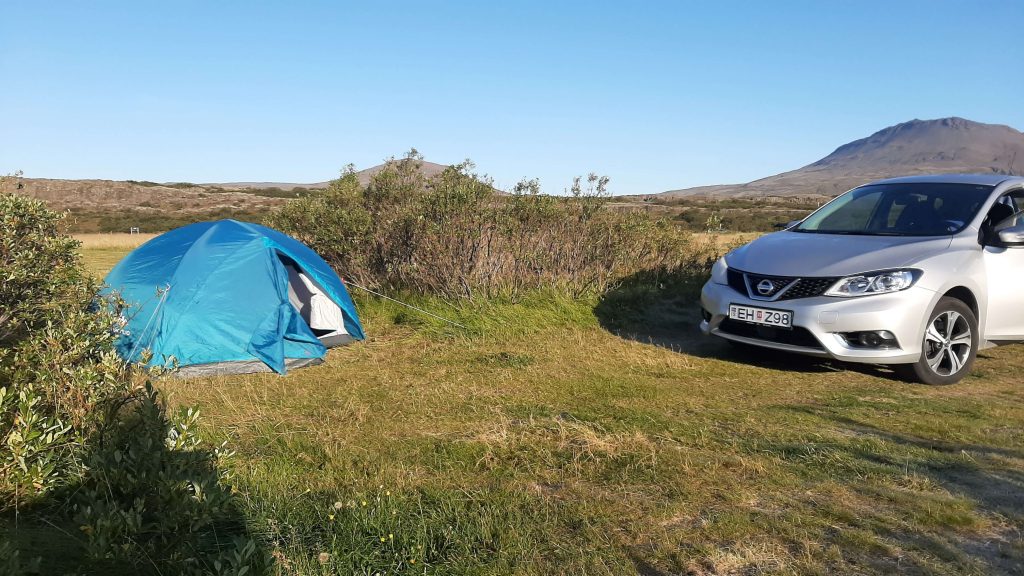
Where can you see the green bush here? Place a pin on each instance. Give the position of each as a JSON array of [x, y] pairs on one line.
[[155, 494], [86, 447], [57, 364], [738, 214], [455, 235]]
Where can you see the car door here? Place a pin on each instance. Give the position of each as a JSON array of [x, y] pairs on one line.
[[1004, 270]]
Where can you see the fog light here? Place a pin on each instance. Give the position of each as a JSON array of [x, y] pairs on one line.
[[879, 339], [870, 339]]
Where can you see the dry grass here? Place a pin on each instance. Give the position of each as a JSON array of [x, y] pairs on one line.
[[115, 197], [100, 252], [112, 241], [787, 465], [542, 443], [727, 239]]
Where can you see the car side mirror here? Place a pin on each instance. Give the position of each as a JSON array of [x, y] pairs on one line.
[[1012, 237], [791, 224]]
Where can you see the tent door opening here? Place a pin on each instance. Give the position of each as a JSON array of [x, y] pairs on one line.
[[323, 316]]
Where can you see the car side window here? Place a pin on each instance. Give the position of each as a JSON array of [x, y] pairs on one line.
[[1007, 211]]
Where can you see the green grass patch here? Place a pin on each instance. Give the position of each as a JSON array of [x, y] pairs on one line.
[[541, 441]]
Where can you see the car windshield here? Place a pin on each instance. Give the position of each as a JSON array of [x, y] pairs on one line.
[[909, 209]]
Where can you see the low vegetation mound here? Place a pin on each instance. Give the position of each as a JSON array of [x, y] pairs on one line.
[[453, 234]]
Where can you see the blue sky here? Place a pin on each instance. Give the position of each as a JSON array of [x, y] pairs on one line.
[[657, 95]]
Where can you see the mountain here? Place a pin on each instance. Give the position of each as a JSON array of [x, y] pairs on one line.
[[947, 145], [428, 169]]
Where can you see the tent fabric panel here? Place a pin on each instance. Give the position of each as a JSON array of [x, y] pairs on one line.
[[180, 261], [221, 320], [228, 300], [337, 339], [209, 314], [156, 259], [240, 367]]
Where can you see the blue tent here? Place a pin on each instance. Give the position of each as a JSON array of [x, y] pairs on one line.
[[231, 297]]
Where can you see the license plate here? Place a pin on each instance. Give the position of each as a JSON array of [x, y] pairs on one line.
[[763, 316]]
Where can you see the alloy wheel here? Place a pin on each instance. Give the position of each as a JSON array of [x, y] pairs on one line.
[[948, 342]]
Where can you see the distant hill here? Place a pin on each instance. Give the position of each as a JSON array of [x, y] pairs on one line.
[[97, 196], [947, 145], [428, 169], [116, 195], [286, 186]]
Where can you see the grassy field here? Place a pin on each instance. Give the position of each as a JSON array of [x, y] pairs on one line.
[[608, 437], [103, 251]]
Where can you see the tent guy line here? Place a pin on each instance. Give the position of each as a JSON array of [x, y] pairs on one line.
[[163, 298], [431, 314]]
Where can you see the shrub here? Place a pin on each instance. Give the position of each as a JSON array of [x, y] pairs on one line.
[[57, 364], [83, 440], [155, 494], [738, 214], [455, 235]]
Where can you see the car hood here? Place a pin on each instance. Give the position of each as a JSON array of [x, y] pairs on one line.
[[807, 254]]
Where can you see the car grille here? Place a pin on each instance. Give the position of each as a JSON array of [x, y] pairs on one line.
[[803, 288], [795, 336], [736, 281], [808, 287]]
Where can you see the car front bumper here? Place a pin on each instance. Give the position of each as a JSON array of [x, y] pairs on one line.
[[819, 322]]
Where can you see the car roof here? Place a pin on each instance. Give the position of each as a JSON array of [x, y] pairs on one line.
[[977, 179]]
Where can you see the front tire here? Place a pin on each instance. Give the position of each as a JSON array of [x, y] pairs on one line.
[[949, 345]]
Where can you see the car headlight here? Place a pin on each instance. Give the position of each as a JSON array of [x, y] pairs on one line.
[[874, 283], [720, 272]]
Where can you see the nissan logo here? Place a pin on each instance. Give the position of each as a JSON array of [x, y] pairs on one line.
[[765, 287]]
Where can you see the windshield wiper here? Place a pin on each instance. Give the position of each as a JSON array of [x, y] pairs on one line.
[[853, 232], [839, 232]]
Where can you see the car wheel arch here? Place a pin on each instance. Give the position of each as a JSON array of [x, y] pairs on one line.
[[972, 296], [965, 295]]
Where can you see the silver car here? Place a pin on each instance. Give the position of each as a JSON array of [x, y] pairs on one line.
[[917, 272]]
